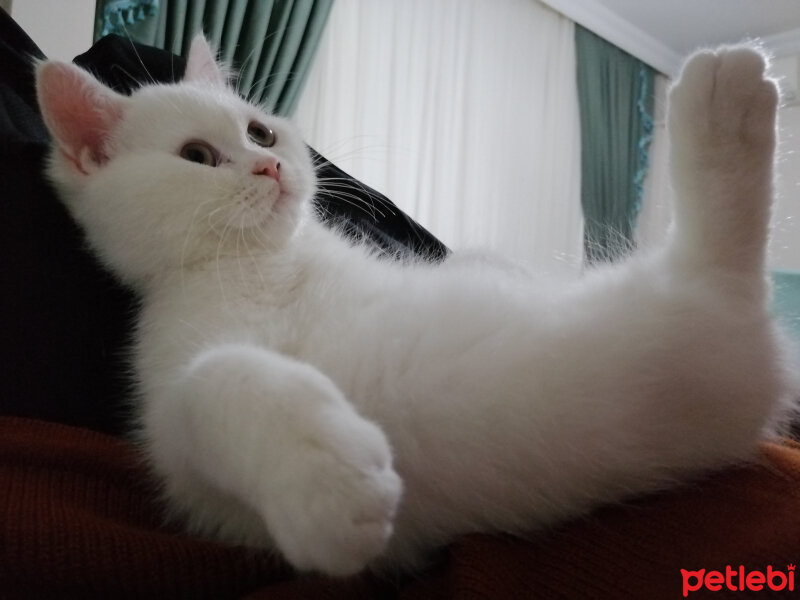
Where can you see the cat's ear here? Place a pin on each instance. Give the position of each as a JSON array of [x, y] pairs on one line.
[[79, 111], [201, 64]]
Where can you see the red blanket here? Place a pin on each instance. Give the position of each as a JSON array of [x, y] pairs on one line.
[[78, 519]]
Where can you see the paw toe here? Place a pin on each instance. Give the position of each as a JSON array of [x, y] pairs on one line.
[[742, 62], [335, 510], [723, 97], [694, 88]]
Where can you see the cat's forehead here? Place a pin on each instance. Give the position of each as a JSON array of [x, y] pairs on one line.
[[175, 112]]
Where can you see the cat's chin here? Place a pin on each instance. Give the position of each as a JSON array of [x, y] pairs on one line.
[[283, 204], [281, 208]]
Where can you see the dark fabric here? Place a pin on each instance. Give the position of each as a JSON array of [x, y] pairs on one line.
[[80, 520], [64, 322]]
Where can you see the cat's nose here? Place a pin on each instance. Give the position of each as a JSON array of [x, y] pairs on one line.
[[270, 167]]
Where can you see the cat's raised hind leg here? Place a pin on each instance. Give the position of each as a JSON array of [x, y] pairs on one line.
[[721, 123]]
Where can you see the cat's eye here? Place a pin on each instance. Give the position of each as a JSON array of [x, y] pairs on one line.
[[201, 153], [261, 135]]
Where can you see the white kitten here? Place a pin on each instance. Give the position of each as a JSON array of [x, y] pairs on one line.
[[296, 391]]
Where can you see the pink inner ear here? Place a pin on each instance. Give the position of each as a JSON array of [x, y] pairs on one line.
[[79, 111], [201, 64]]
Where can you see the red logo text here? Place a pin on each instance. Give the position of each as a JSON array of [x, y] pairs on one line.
[[738, 580]]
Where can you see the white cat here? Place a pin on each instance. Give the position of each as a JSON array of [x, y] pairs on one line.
[[297, 391]]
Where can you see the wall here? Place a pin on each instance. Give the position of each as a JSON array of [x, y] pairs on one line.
[[785, 245], [61, 28]]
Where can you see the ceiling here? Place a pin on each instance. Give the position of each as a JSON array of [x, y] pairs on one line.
[[662, 32]]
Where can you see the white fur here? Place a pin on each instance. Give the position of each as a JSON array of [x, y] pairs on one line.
[[296, 390]]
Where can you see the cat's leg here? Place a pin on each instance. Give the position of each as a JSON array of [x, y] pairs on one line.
[[722, 131], [278, 436]]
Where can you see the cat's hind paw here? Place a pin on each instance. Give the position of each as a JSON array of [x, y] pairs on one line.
[[724, 101]]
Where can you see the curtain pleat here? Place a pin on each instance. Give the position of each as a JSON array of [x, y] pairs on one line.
[[269, 69], [116, 16], [254, 34], [269, 42], [464, 112], [314, 24], [212, 23], [615, 92]]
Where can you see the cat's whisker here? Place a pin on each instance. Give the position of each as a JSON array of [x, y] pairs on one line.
[[357, 148], [364, 207], [345, 149], [325, 183], [148, 75], [213, 225], [252, 57], [241, 268], [254, 257], [249, 58], [344, 183], [220, 282], [246, 253], [340, 182], [189, 233], [323, 212], [355, 201], [219, 254], [267, 105], [262, 83], [197, 341]]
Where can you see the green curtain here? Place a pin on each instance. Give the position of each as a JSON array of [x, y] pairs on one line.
[[124, 16], [615, 94], [269, 42]]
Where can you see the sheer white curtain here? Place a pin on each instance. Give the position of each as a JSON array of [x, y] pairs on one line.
[[463, 112]]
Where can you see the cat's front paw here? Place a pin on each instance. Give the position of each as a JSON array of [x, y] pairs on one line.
[[334, 508], [723, 103]]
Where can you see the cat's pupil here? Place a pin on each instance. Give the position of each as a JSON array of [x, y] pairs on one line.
[[261, 135], [195, 155]]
